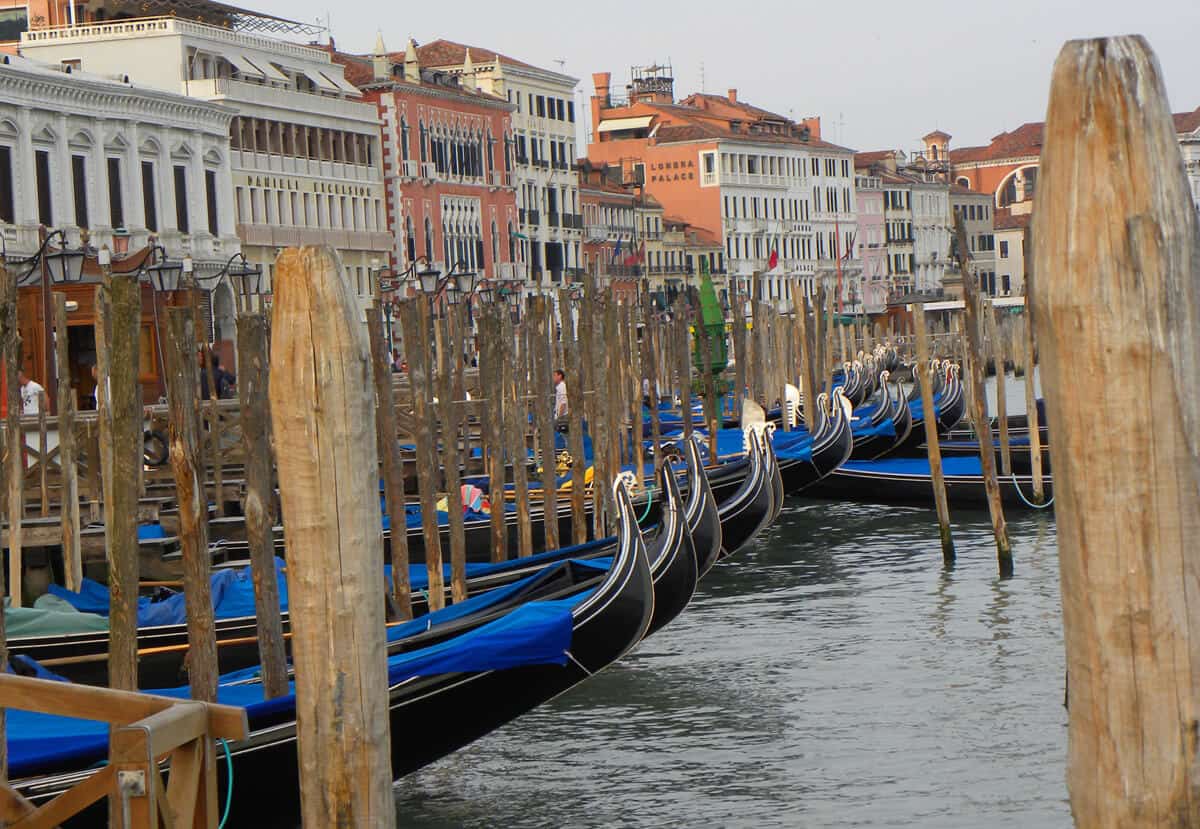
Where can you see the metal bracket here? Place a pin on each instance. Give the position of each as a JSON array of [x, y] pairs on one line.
[[132, 783]]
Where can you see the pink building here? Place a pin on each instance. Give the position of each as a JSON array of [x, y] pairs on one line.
[[871, 244]]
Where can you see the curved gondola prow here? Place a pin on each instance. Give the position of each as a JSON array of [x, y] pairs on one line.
[[674, 569], [747, 511], [704, 523], [629, 562]]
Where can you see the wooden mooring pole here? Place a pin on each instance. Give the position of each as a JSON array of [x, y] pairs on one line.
[[259, 506], [1116, 240], [69, 494], [14, 438], [321, 392], [183, 385], [931, 435], [978, 403]]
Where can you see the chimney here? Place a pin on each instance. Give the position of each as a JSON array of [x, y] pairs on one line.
[[601, 81], [381, 65], [412, 66], [733, 96]]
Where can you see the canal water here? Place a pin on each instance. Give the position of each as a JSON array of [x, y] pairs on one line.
[[830, 675]]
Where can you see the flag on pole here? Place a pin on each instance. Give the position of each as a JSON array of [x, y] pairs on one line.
[[773, 260], [637, 257], [617, 249]]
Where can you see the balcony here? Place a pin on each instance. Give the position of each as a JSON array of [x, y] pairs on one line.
[[279, 97], [552, 217], [625, 271], [595, 233], [138, 29], [498, 179], [521, 215], [410, 169], [532, 217], [298, 165]]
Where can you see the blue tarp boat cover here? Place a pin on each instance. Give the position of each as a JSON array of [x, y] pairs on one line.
[[535, 633], [951, 465]]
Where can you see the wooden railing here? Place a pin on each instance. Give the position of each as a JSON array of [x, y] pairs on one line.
[[146, 731]]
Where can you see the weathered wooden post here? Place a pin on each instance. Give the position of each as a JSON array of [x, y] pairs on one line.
[[121, 324], [1000, 359], [69, 488], [931, 435], [517, 384], [1031, 411], [321, 392], [1116, 227], [14, 439], [575, 374], [392, 465], [253, 362], [543, 385], [183, 382], [415, 320], [808, 364], [450, 414], [978, 403], [491, 374]]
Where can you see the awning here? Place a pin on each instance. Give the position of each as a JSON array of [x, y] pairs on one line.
[[340, 82], [273, 72], [245, 66], [616, 124], [320, 80], [958, 304]]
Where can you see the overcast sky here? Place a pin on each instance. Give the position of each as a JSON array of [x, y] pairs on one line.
[[880, 74]]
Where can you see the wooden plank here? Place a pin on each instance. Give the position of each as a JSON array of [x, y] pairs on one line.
[[67, 459], [68, 804], [123, 303], [43, 451], [393, 465], [183, 381], [1116, 298], [922, 370], [978, 403], [321, 397]]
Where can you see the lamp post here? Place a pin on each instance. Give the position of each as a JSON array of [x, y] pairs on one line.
[[60, 266], [388, 279], [164, 276]]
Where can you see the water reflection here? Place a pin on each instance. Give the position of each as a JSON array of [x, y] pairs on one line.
[[834, 674]]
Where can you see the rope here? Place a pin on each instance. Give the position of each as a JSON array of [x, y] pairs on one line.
[[1029, 503], [649, 503], [229, 788]]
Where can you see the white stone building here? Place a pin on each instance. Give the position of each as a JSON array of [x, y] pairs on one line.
[[547, 185], [306, 162], [931, 234], [79, 151]]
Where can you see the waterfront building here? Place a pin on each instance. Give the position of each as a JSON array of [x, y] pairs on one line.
[[978, 222], [1187, 127], [550, 220], [872, 247], [125, 165], [447, 158], [306, 163], [1012, 237], [758, 181]]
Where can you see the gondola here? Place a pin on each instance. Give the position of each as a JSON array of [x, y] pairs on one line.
[[1019, 455], [907, 481], [894, 410], [433, 712], [950, 406], [703, 518], [750, 508], [673, 565], [831, 447]]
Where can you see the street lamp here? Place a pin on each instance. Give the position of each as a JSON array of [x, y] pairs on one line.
[[245, 278]]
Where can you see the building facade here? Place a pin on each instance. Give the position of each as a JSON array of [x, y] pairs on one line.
[[931, 233], [978, 218], [872, 247], [543, 150], [306, 161], [738, 173], [129, 167], [447, 165], [1012, 236]]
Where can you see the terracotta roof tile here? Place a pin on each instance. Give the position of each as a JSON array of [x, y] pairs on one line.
[[448, 53], [1187, 121], [1003, 219]]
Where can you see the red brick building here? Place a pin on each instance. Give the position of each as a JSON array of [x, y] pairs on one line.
[[447, 156]]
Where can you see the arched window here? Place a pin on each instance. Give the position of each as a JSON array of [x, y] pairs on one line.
[[495, 245], [421, 139], [410, 239], [403, 138], [512, 244], [428, 239]]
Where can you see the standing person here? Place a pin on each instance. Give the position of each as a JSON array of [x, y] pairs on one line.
[[560, 400], [31, 394]]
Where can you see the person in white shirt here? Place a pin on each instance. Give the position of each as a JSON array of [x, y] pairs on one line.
[[31, 394], [560, 398]]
